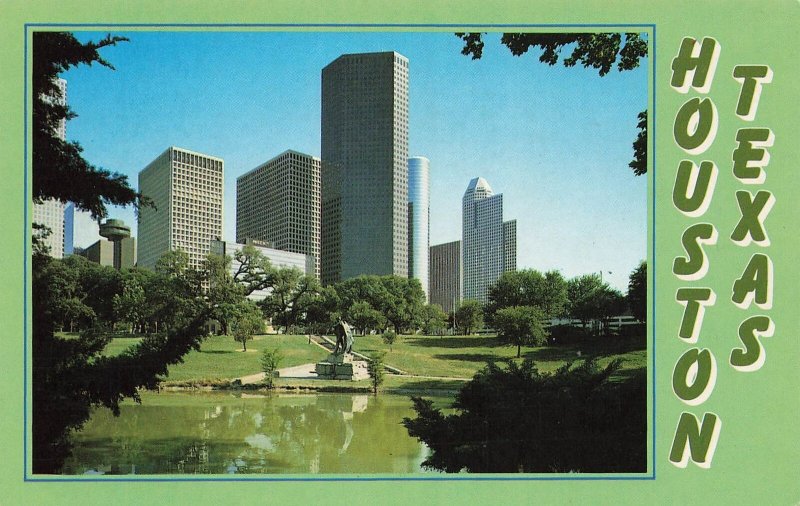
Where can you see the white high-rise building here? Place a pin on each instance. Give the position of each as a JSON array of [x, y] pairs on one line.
[[365, 166], [50, 213], [279, 202], [419, 201], [187, 190], [483, 242]]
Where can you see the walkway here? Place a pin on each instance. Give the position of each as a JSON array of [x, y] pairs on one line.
[[306, 371]]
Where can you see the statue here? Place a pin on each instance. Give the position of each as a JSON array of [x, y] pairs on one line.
[[344, 338]]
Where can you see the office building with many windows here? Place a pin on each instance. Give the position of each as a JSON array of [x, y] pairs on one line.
[[279, 202], [445, 275], [484, 253], [364, 166], [419, 201], [53, 213], [186, 188]]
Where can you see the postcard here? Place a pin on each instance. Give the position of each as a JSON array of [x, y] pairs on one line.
[[511, 252]]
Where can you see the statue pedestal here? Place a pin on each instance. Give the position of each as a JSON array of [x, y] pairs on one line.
[[341, 367]]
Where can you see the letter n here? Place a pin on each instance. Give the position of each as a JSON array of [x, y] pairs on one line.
[[695, 441]]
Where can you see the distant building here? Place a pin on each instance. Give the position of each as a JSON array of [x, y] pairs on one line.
[[69, 229], [278, 258], [118, 252], [484, 252], [510, 245], [50, 212], [445, 275], [187, 190], [279, 202], [419, 220], [365, 166]]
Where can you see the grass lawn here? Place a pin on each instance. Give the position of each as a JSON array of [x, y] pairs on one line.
[[463, 356], [222, 358]]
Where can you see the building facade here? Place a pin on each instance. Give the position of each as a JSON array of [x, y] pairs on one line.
[[186, 188], [52, 213], [277, 258], [364, 166], [105, 252], [419, 201], [509, 245], [280, 202], [445, 275], [484, 253]]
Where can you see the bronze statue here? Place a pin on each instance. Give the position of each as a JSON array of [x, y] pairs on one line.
[[344, 337]]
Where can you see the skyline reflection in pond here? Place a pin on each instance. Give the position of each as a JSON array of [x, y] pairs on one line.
[[220, 433]]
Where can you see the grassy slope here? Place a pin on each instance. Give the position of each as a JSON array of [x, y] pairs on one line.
[[220, 357]]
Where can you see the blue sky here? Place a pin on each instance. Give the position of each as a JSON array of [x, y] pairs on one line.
[[555, 141]]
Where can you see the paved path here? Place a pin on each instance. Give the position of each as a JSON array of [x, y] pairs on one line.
[[306, 371]]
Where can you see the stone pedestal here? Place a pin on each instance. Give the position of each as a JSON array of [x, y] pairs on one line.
[[342, 367]]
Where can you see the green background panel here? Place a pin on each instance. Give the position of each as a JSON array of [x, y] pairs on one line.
[[758, 453]]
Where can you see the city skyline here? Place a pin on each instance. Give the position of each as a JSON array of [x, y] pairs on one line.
[[557, 140]]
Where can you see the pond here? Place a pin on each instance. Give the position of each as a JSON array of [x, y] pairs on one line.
[[224, 433]]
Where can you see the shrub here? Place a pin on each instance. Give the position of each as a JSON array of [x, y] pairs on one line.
[[270, 361], [389, 337]]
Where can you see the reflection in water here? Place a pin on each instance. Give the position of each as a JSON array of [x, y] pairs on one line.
[[219, 433]]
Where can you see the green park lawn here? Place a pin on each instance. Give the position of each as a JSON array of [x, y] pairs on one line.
[[433, 358]]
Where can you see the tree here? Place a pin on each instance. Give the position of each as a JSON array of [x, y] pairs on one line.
[[517, 419], [528, 287], [375, 368], [434, 320], [59, 169], [71, 376], [596, 50], [364, 317], [270, 362], [224, 294], [389, 337], [400, 300], [322, 311], [129, 306], [292, 293], [247, 322], [253, 270], [521, 325], [610, 302], [637, 292], [469, 316], [582, 292]]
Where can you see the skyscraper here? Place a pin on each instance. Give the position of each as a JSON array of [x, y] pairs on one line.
[[365, 166], [279, 202], [50, 212], [186, 188], [484, 252], [445, 275], [419, 220]]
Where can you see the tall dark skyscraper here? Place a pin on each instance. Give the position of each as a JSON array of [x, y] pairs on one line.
[[365, 166]]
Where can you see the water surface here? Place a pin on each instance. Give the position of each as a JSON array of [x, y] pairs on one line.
[[223, 433]]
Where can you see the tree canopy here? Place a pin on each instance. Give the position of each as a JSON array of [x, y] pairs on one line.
[[600, 51], [520, 325], [637, 292], [72, 375], [59, 170], [517, 419], [528, 287]]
